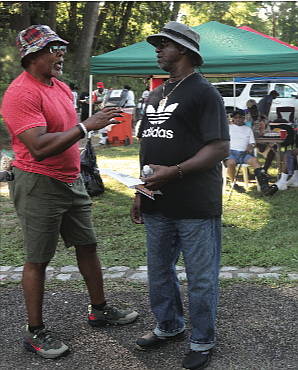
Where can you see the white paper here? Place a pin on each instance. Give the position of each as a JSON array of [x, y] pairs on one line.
[[130, 182]]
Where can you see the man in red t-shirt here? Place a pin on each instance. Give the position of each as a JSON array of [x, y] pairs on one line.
[[48, 191]]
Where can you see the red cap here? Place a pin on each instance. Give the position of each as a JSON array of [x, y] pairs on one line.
[[100, 85]]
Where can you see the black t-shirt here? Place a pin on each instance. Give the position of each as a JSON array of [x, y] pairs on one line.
[[194, 115]]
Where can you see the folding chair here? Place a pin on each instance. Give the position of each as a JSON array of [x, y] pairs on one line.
[[244, 169], [287, 113]]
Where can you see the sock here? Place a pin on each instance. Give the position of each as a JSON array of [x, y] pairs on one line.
[[99, 307], [295, 176], [33, 328], [283, 178]]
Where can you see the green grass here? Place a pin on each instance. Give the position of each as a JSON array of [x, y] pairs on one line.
[[257, 231]]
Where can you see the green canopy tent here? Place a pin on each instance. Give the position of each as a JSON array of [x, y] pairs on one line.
[[227, 52]]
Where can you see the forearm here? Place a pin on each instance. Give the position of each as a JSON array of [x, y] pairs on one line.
[[207, 157], [204, 159], [50, 144], [43, 144]]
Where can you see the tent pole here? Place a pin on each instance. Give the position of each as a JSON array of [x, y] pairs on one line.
[[234, 93], [90, 100]]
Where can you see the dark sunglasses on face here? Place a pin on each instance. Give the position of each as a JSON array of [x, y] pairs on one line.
[[54, 49], [161, 43]]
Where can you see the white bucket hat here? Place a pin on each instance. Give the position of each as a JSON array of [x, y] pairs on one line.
[[183, 35]]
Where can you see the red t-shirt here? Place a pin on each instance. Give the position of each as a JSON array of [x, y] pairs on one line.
[[29, 103]]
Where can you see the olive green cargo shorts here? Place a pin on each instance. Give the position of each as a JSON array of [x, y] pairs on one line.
[[48, 207]]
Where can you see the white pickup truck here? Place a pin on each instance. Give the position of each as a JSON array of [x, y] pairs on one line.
[[288, 94]]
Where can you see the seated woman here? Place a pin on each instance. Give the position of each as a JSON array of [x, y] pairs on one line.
[[242, 143]]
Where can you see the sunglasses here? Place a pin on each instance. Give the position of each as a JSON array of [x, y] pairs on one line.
[[161, 43], [54, 49]]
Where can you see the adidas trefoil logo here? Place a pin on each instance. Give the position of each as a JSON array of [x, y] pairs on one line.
[[159, 116]]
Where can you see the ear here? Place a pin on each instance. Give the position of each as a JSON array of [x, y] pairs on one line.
[[182, 49], [32, 59]]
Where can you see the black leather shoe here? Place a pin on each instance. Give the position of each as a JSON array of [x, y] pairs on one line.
[[196, 360], [152, 341]]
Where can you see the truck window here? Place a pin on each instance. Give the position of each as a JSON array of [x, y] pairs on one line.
[[227, 90], [284, 91], [258, 90]]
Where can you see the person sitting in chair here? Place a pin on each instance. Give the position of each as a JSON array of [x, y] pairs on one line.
[[242, 143], [258, 124]]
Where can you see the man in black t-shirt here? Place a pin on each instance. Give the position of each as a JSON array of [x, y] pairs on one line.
[[84, 103], [184, 136]]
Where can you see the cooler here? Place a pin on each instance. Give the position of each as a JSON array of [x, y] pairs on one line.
[[121, 133]]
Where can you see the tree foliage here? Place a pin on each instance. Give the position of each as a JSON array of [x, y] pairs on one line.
[[85, 41], [287, 22], [231, 13], [122, 23]]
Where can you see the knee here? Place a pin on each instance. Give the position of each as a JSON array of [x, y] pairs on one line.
[[231, 163], [35, 267], [85, 250]]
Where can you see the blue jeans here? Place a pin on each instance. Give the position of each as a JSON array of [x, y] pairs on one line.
[[237, 156], [199, 240]]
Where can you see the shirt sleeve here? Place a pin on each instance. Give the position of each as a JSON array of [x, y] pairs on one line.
[[24, 113], [213, 116], [251, 137]]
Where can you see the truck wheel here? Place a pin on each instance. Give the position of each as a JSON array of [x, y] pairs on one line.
[[127, 141]]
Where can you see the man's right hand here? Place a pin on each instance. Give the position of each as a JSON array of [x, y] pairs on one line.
[[103, 118], [135, 213]]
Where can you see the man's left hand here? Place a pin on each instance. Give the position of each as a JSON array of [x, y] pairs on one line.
[[162, 175], [294, 152], [250, 148]]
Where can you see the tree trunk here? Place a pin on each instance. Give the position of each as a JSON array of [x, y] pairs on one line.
[[85, 41], [175, 11], [100, 22], [123, 28], [19, 22], [52, 15], [72, 26]]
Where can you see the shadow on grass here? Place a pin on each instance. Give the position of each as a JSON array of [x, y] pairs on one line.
[[259, 230]]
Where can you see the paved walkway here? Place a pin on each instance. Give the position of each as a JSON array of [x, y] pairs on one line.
[[140, 274]]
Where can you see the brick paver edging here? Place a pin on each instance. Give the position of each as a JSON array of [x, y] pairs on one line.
[[140, 274]]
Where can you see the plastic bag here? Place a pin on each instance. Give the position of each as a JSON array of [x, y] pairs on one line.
[[6, 160], [90, 172]]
